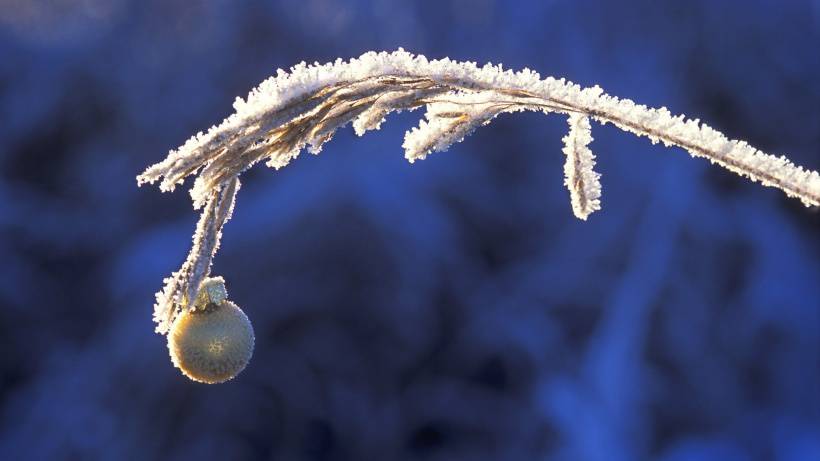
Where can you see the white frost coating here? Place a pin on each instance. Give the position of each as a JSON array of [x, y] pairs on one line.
[[373, 117], [260, 126], [451, 120], [304, 107], [579, 176], [181, 288]]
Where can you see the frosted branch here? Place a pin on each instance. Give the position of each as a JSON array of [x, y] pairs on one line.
[[451, 118], [303, 108], [579, 176], [182, 287]]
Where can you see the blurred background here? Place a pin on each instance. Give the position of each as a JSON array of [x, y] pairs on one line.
[[452, 310]]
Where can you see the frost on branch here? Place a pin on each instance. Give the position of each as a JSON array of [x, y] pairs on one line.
[[182, 287], [303, 108], [452, 119], [579, 176]]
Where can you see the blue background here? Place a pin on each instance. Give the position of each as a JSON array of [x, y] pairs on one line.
[[449, 310]]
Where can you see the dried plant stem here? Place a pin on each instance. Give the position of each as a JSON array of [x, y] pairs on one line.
[[304, 108]]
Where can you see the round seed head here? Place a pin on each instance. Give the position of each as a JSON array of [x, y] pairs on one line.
[[211, 344]]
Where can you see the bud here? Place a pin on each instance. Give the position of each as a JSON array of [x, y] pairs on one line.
[[212, 343]]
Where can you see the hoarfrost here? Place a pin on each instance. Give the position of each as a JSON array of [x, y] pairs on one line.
[[302, 108], [579, 177]]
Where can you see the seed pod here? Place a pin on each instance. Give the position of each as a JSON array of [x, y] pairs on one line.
[[211, 344]]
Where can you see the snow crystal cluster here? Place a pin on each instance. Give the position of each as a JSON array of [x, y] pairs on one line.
[[303, 108]]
